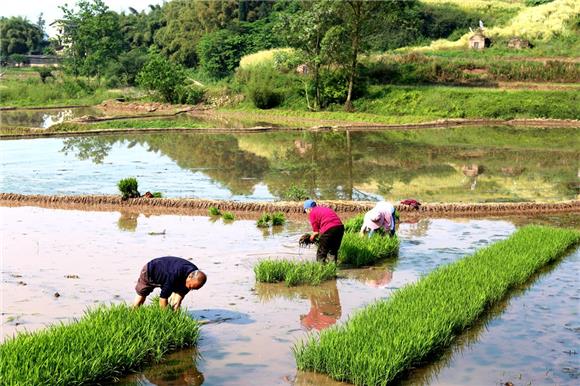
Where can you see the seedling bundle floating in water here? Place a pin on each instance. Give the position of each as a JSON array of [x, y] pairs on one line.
[[274, 219], [385, 339]]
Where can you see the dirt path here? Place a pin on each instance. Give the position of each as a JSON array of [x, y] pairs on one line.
[[254, 209]]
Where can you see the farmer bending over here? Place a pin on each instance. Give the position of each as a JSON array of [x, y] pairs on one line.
[[175, 276], [383, 215], [327, 225]]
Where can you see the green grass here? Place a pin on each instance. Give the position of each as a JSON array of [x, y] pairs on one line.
[[213, 211], [105, 343], [386, 339], [22, 90], [395, 104], [358, 251], [294, 272], [133, 124]]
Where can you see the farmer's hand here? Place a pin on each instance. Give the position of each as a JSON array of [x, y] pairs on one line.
[[313, 236]]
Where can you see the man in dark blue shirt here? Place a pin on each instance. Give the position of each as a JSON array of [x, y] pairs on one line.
[[174, 275]]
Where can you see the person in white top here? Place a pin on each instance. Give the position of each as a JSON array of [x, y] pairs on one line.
[[383, 215]]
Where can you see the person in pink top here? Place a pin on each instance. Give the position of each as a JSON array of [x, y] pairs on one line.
[[327, 226]]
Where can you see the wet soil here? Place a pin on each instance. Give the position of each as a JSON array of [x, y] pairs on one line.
[[249, 328]]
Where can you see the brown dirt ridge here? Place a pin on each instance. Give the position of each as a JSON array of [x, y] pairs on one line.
[[188, 206]]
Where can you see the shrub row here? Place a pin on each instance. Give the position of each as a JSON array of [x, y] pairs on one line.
[[105, 343], [294, 272], [385, 339]]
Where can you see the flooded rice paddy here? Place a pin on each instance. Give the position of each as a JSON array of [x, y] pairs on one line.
[[467, 164], [44, 118], [89, 258]]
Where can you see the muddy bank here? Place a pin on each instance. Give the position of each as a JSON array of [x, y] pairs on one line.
[[200, 206]]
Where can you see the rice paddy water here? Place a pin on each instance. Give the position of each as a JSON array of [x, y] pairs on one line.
[[248, 328], [466, 164]]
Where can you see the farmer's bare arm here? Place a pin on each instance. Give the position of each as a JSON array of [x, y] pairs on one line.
[[139, 300], [162, 302], [313, 236], [177, 301]]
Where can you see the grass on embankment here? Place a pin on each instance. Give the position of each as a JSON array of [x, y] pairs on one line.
[[387, 338], [62, 91], [105, 343], [416, 104], [294, 272]]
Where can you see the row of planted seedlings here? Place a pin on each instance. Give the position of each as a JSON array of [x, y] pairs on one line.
[[383, 341], [355, 251], [107, 342]]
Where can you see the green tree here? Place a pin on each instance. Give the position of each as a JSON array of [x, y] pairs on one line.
[[93, 35], [361, 22], [19, 36], [162, 76], [220, 52], [305, 25]]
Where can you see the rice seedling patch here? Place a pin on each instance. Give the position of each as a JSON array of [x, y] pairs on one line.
[[387, 338], [105, 343], [294, 273]]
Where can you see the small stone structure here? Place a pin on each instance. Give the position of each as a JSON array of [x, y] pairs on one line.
[[518, 43], [302, 69], [478, 41]]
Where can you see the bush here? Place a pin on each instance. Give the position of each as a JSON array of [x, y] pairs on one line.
[[189, 94], [213, 211], [162, 76], [44, 73], [128, 188], [295, 193], [264, 98], [265, 86]]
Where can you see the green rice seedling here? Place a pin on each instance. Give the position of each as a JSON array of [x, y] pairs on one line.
[[387, 338], [353, 224], [294, 272], [213, 211], [106, 342], [278, 218], [357, 250], [264, 221], [129, 188], [228, 216], [157, 195]]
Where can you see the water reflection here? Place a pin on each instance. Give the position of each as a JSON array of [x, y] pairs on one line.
[[325, 309], [43, 118], [127, 221], [328, 165], [178, 369]]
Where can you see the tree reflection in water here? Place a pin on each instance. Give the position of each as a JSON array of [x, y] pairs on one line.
[[360, 166]]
